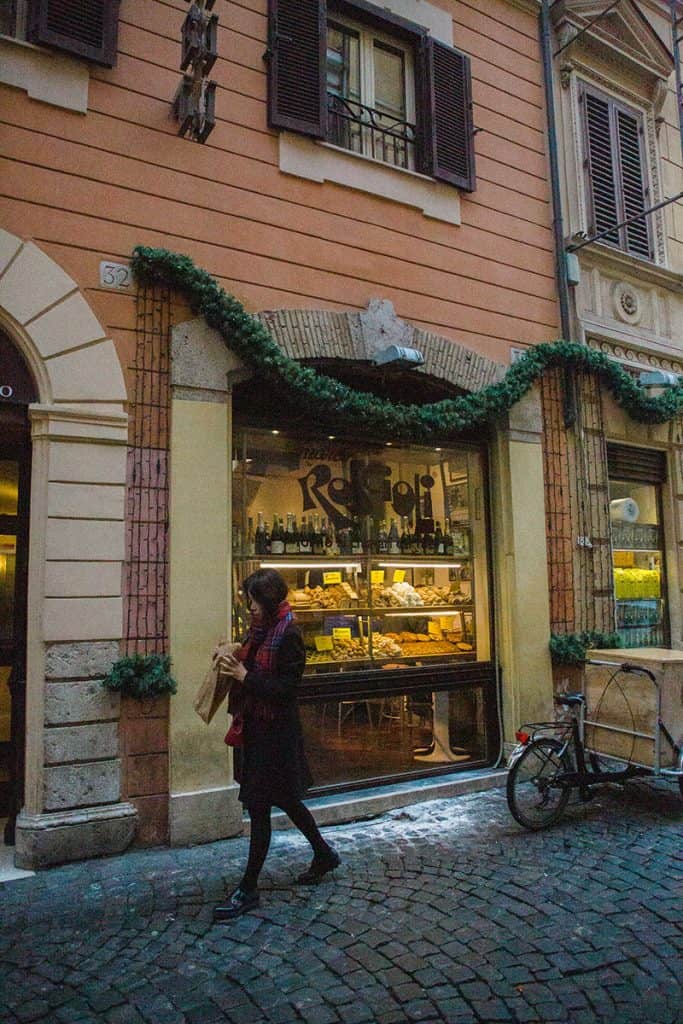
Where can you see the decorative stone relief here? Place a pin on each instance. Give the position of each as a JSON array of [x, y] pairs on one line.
[[634, 357], [626, 303]]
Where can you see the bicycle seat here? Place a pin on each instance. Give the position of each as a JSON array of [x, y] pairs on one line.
[[570, 700]]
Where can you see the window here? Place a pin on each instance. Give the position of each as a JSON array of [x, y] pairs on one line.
[[370, 95], [369, 81], [636, 478], [616, 174], [84, 28]]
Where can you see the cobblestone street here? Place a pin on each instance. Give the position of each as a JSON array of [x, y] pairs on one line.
[[447, 911]]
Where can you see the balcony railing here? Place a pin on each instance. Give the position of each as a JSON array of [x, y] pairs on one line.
[[362, 129]]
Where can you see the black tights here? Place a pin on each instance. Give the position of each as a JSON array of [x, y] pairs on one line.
[[259, 841]]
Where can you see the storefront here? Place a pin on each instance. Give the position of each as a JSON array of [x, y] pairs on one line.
[[385, 550]]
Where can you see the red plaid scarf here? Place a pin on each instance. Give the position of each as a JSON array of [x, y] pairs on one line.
[[264, 638]]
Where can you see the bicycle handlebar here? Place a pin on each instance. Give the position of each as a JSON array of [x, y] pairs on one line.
[[626, 666]]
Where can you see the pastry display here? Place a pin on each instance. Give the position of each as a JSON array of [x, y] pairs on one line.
[[433, 595], [339, 595]]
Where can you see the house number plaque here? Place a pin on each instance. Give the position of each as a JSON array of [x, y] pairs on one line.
[[115, 275]]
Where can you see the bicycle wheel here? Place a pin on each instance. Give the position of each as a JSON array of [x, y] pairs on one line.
[[534, 797]]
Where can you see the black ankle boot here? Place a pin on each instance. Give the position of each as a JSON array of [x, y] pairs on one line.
[[239, 902], [321, 864]]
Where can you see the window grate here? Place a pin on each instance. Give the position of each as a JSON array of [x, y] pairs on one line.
[[145, 599], [361, 129]]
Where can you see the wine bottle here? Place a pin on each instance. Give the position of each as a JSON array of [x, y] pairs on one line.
[[439, 545], [291, 540], [259, 540], [404, 542], [250, 547], [277, 538], [382, 539], [393, 539], [317, 542], [356, 538], [305, 546]]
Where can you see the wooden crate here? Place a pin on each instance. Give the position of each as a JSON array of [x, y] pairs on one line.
[[630, 702]]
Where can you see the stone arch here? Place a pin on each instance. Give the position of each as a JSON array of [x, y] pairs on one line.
[[309, 334], [76, 551], [62, 340]]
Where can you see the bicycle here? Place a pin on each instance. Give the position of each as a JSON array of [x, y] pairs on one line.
[[551, 758]]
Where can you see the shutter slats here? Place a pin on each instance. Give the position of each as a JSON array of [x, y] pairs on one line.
[[85, 28], [448, 130], [603, 188], [618, 189], [296, 97], [644, 465]]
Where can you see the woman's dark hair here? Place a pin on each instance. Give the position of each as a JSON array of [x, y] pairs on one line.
[[268, 588]]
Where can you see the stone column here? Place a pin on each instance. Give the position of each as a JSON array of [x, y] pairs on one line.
[[72, 803], [203, 802], [521, 567]]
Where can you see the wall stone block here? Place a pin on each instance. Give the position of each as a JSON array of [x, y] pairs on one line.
[[80, 660], [81, 701], [82, 785], [81, 743]]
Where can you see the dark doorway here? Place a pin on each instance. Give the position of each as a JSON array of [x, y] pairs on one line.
[[17, 391]]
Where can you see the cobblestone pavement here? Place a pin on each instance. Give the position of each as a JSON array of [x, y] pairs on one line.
[[447, 911]]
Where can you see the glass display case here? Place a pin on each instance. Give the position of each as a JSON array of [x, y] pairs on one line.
[[638, 564], [385, 553], [378, 549]]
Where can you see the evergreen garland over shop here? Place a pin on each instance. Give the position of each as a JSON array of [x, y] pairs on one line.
[[434, 422]]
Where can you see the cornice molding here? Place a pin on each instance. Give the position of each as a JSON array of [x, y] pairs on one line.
[[605, 257]]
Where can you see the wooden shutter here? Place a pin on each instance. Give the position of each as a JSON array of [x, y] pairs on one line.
[[600, 166], [85, 28], [616, 174], [642, 465], [445, 89], [297, 51], [633, 185]]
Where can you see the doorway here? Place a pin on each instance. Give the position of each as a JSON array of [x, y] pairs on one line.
[[16, 392]]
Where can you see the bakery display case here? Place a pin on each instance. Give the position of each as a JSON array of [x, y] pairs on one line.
[[384, 550]]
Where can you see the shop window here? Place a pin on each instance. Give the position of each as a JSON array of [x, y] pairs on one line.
[[366, 80], [83, 28], [384, 550], [616, 173], [635, 488]]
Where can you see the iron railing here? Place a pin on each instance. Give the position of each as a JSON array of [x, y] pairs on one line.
[[361, 129]]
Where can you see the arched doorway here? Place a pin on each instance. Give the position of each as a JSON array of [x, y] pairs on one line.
[[17, 391]]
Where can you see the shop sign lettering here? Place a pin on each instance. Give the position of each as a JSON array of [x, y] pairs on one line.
[[365, 492]]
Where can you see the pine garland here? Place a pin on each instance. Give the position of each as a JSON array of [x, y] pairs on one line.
[[338, 403], [143, 677]]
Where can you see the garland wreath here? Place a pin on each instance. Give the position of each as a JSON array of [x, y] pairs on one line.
[[443, 420]]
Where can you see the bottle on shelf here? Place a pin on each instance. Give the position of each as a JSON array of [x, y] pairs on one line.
[[291, 536], [277, 538], [382, 539], [394, 539], [356, 538], [257, 545], [318, 541], [305, 545], [236, 539], [250, 542], [404, 541], [448, 544], [332, 544], [415, 542], [439, 542]]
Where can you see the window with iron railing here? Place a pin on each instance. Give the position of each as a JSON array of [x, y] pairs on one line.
[[370, 94]]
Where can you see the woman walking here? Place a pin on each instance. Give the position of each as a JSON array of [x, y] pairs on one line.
[[270, 765]]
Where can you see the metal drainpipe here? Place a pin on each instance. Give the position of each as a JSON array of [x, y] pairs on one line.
[[558, 226]]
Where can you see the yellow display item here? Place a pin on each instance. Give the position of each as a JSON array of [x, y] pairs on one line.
[[636, 583]]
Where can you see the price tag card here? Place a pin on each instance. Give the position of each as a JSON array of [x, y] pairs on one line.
[[332, 577], [434, 629], [451, 622], [399, 575], [341, 632], [324, 643], [377, 575]]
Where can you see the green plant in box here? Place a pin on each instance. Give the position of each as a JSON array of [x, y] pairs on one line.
[[571, 648], [142, 676]]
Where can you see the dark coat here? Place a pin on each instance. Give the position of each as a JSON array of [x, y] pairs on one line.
[[271, 767]]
